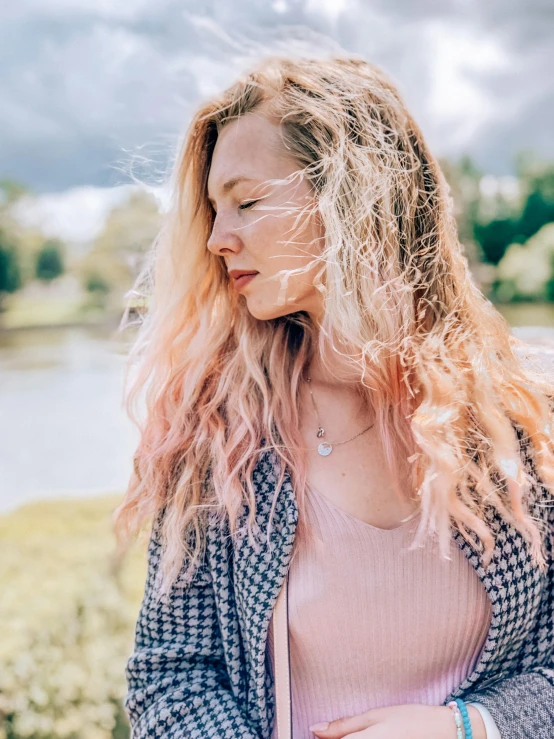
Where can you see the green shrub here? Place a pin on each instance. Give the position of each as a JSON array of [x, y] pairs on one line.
[[526, 271], [49, 261], [67, 611]]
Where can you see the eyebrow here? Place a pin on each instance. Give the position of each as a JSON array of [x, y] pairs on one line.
[[230, 184]]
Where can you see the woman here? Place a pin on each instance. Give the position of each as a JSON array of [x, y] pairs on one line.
[[340, 414]]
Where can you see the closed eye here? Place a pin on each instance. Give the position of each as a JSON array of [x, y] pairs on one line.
[[248, 204]]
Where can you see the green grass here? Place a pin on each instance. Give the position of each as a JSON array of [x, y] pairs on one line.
[[25, 311]]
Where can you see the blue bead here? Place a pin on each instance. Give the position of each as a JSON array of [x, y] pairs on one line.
[[465, 715]]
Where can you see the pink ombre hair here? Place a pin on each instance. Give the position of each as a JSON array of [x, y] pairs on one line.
[[438, 361]]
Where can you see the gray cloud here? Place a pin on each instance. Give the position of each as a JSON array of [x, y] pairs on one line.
[[89, 88]]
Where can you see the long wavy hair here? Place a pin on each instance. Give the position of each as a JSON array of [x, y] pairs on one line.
[[438, 363]]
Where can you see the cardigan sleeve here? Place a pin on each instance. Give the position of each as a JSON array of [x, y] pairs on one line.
[[522, 704], [178, 685]]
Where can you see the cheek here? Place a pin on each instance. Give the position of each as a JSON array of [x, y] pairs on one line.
[[282, 240], [287, 289], [277, 229], [291, 234]]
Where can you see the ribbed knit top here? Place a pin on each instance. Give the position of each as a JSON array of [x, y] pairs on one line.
[[373, 624]]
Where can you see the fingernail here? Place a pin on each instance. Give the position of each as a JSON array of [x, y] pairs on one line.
[[319, 727]]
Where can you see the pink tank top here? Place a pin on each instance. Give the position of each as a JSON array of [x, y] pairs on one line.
[[372, 624]]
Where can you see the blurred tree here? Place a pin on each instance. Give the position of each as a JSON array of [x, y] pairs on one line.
[[493, 212], [10, 271], [49, 261], [495, 236], [464, 179], [537, 178], [534, 209], [25, 241], [109, 269], [96, 284], [526, 271], [496, 219]]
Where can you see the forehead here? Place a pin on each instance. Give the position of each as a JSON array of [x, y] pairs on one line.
[[252, 147]]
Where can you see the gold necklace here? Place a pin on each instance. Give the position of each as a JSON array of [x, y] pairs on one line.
[[325, 448]]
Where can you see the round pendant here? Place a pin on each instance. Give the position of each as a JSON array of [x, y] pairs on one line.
[[325, 449]]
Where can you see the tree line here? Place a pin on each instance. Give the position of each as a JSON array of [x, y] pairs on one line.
[[505, 225]]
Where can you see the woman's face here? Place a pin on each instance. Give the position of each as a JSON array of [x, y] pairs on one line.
[[258, 225]]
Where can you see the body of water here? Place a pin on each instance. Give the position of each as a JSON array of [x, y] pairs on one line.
[[63, 430]]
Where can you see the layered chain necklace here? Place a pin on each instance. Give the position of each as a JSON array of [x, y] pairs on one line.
[[325, 448]]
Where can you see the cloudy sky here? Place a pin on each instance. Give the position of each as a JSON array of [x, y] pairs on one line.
[[94, 92]]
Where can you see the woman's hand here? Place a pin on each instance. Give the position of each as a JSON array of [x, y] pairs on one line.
[[410, 721]]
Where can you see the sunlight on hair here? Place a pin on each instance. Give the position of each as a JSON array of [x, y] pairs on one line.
[[451, 397]]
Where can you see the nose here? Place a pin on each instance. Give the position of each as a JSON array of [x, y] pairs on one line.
[[223, 239]]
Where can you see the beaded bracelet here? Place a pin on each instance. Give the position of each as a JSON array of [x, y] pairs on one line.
[[461, 715], [458, 718], [465, 716]]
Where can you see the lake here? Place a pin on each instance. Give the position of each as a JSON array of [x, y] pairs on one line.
[[63, 430]]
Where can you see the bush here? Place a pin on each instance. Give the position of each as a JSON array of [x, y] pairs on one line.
[[10, 270], [68, 611], [49, 261], [526, 271]]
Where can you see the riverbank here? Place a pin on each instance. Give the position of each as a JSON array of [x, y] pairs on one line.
[[61, 303], [44, 307]]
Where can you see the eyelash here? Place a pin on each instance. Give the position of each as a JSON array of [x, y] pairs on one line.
[[249, 204]]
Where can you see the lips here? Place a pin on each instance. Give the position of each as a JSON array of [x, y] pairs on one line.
[[236, 273], [244, 279]]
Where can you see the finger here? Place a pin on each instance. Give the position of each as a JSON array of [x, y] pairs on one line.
[[340, 727]]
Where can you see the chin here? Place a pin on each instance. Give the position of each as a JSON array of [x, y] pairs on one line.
[[269, 312]]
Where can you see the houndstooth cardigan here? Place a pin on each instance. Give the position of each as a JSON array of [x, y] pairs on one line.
[[198, 669]]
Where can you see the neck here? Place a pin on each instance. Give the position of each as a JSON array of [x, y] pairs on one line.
[[334, 370], [335, 362]]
